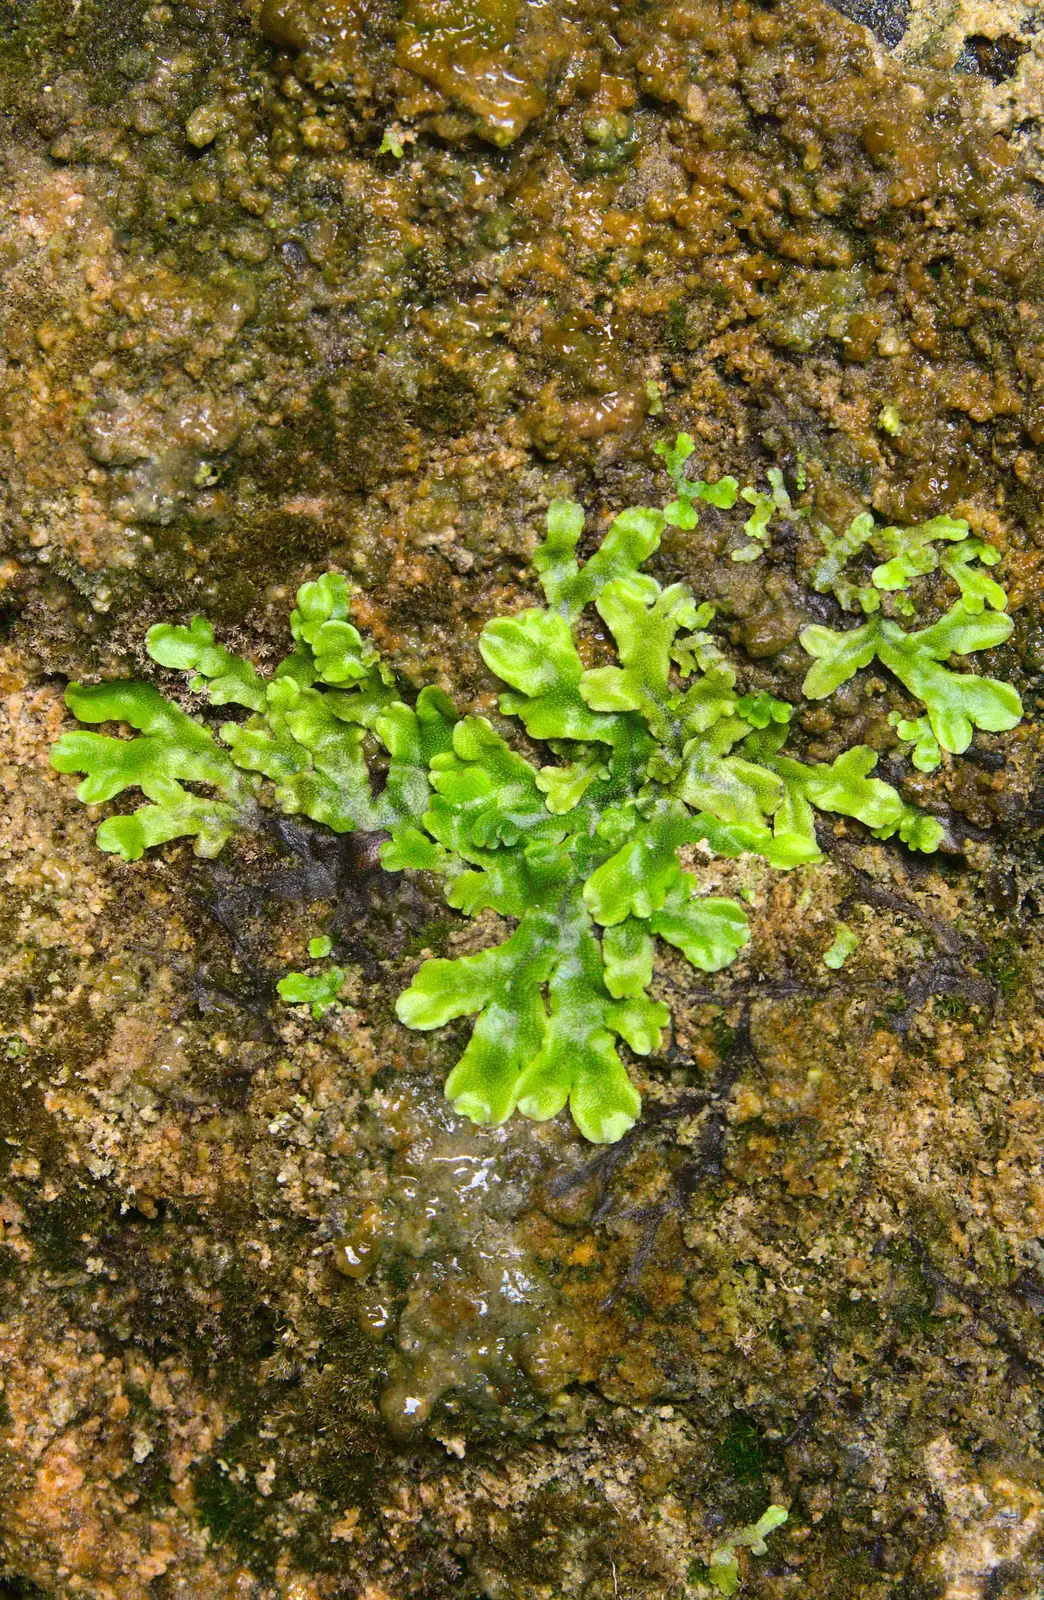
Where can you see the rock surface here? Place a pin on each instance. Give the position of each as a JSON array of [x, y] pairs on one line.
[[273, 1321]]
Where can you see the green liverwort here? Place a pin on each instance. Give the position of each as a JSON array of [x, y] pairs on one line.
[[723, 1567], [844, 943], [584, 851], [320, 991], [956, 702]]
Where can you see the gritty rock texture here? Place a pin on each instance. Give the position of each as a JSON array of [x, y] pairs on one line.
[[1003, 45], [273, 1321], [1000, 42]]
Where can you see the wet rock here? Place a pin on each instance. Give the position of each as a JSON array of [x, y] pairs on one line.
[[275, 1322], [169, 451]]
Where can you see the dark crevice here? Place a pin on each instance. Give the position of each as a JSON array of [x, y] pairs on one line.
[[887, 19], [984, 1306], [996, 59]]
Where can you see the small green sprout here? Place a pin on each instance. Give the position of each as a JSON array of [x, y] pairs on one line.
[[681, 512], [905, 554], [761, 709], [926, 754], [912, 551], [391, 144], [889, 421], [582, 850], [828, 575], [845, 942], [612, 139], [764, 506], [978, 589], [654, 396], [723, 1567], [319, 991]]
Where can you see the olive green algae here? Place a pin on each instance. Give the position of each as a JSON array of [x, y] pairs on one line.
[[274, 1321]]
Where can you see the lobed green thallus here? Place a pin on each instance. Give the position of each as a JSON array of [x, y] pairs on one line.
[[643, 758]]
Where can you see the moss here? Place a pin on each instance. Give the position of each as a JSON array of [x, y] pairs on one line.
[[59, 1225], [231, 1510], [1004, 963], [27, 29], [746, 1461], [22, 1589]]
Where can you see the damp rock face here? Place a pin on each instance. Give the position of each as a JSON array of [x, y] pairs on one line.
[[303, 284], [998, 44]]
